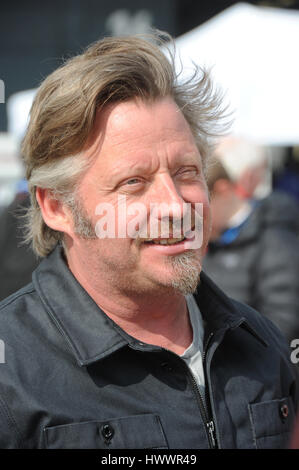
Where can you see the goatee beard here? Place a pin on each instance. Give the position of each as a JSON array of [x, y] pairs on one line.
[[187, 268]]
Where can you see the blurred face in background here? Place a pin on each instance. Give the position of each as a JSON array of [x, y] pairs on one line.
[[222, 203]]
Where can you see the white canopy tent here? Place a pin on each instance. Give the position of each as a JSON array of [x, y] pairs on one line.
[[18, 109], [11, 169], [253, 54]]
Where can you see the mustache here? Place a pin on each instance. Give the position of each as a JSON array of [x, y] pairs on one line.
[[171, 227]]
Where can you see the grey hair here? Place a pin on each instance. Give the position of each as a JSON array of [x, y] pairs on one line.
[[63, 114], [52, 176]]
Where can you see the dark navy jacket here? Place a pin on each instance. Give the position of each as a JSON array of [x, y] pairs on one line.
[[73, 379]]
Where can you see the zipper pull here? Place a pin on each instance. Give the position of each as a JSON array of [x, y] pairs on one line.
[[211, 429]]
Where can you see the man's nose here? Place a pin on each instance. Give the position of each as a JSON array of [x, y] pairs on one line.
[[167, 195]]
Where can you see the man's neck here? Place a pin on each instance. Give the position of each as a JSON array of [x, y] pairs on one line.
[[158, 318], [164, 324]]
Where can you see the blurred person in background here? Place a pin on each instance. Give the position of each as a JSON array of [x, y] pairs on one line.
[[253, 253], [287, 179], [17, 260]]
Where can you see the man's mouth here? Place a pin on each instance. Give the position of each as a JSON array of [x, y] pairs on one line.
[[164, 241]]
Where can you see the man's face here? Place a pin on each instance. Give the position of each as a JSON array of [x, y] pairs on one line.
[[143, 153]]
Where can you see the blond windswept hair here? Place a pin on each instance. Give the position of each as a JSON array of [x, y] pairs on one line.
[[62, 117]]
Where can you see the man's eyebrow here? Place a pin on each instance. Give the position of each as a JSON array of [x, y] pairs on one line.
[[187, 159], [146, 166], [124, 170]]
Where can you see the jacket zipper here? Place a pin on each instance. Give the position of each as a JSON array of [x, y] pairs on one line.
[[208, 422], [205, 414]]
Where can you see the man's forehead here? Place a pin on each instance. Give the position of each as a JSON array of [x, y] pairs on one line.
[[127, 123], [136, 116]]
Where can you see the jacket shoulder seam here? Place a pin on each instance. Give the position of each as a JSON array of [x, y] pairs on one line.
[[10, 300]]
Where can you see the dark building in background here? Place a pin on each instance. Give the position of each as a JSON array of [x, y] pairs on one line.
[[35, 36]]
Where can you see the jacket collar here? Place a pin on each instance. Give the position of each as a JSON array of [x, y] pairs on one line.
[[89, 332], [91, 335], [220, 312]]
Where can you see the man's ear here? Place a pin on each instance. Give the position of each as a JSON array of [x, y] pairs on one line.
[[55, 214], [250, 179], [222, 187]]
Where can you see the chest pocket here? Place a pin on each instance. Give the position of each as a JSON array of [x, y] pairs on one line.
[[272, 423], [131, 432]]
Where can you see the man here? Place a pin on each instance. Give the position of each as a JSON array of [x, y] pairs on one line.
[[108, 348], [253, 253]]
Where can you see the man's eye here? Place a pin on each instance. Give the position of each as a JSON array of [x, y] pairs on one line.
[[133, 181], [190, 172], [131, 184]]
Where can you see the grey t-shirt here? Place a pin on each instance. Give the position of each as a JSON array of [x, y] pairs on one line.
[[193, 354]]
